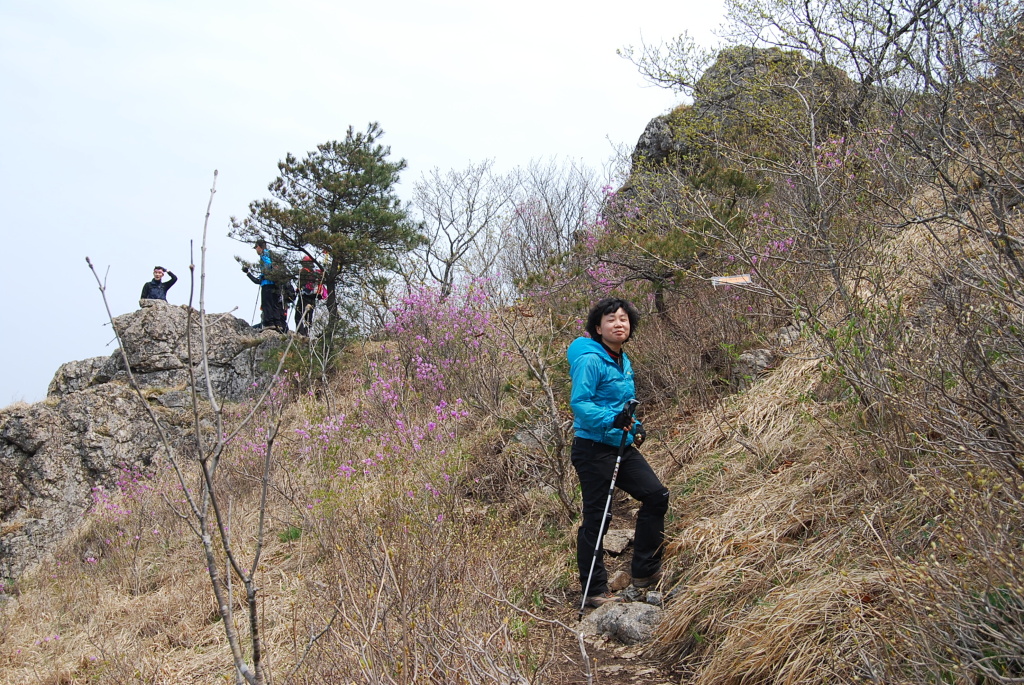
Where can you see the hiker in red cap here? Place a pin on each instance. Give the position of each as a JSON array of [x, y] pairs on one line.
[[310, 290]]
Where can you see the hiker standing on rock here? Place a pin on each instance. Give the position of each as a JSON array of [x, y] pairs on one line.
[[310, 290], [602, 387], [271, 304], [157, 289]]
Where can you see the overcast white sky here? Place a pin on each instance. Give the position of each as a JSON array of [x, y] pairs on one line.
[[114, 115]]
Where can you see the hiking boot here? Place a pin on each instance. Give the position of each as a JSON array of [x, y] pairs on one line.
[[649, 581], [600, 600]]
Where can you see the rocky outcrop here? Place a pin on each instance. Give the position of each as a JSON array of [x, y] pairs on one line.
[[657, 143], [53, 453], [739, 96], [74, 376], [94, 425], [155, 341], [746, 82]]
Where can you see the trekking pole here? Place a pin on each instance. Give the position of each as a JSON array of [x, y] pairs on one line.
[[631, 408], [254, 305]]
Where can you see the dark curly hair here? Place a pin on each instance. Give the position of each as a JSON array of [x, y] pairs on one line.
[[610, 305]]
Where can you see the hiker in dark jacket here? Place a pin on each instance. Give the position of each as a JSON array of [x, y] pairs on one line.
[[157, 289], [271, 305], [310, 289], [602, 385]]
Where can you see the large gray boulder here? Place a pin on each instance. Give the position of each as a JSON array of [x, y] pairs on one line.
[[155, 341], [628, 622], [750, 365]]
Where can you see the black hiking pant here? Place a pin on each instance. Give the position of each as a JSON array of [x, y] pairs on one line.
[[272, 308], [594, 463], [304, 312]]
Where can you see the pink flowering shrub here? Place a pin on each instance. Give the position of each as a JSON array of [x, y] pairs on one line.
[[441, 344], [125, 520]]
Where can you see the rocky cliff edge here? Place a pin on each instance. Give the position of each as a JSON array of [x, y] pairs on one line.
[[93, 427]]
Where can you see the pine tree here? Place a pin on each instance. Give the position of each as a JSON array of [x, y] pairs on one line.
[[339, 206]]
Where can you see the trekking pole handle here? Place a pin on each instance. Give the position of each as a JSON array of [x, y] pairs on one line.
[[630, 410], [631, 406]]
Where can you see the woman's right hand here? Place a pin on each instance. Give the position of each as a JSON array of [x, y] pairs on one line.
[[623, 420]]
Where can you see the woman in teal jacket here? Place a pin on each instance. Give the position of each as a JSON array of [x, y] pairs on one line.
[[602, 384]]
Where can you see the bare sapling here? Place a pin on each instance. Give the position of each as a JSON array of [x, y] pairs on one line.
[[545, 421], [209, 506]]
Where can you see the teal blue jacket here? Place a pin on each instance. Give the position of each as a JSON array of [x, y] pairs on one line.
[[265, 265], [600, 389]]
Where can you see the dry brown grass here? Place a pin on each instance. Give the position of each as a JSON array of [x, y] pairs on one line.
[[777, 574], [370, 576]]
